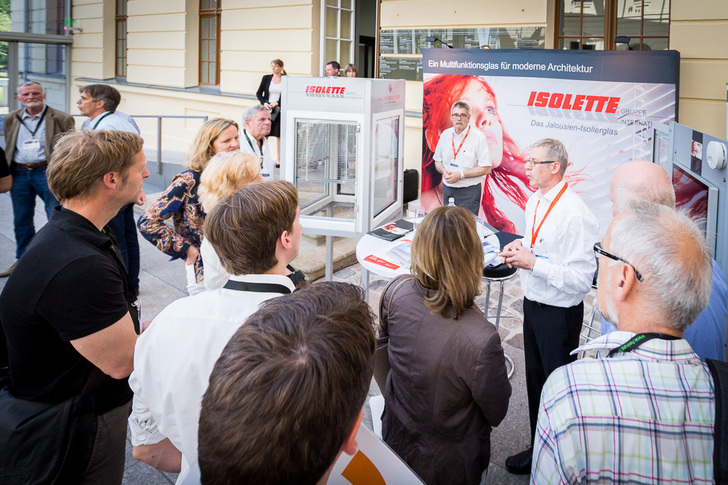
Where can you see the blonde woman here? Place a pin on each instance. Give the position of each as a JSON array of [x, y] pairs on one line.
[[180, 201], [448, 384], [225, 174]]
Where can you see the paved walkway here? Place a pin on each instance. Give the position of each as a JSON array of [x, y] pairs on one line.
[[163, 281]]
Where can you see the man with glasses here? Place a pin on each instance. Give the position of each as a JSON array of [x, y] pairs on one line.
[[642, 181], [643, 409], [463, 159], [557, 266]]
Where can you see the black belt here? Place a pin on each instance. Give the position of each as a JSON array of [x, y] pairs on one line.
[[32, 166]]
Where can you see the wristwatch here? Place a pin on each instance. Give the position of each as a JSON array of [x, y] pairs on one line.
[[462, 175]]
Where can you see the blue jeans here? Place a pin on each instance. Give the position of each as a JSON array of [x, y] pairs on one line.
[[26, 185]]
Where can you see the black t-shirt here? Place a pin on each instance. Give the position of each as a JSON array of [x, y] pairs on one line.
[[70, 283], [4, 166]]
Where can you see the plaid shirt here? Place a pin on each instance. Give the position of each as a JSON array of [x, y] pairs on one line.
[[644, 416]]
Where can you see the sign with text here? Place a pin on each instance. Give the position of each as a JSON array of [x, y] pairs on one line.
[[600, 104]]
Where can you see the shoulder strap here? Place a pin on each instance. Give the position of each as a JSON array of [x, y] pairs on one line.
[[719, 370], [382, 324]]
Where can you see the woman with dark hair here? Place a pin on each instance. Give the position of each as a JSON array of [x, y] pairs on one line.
[[509, 170], [448, 384], [269, 94]]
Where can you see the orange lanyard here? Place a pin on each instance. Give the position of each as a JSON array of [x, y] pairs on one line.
[[534, 233], [455, 152]]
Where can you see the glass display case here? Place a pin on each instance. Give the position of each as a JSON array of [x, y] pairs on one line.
[[342, 149]]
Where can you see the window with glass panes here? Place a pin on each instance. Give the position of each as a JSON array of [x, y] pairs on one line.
[[613, 24], [338, 19], [121, 30], [210, 11]]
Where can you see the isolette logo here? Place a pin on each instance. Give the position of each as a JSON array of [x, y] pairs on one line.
[[574, 102], [329, 91]]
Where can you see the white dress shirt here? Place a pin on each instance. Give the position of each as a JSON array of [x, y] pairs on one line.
[[215, 273], [249, 145], [110, 121], [174, 357], [473, 153], [565, 261]]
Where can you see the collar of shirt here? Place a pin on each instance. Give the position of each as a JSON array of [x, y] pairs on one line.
[[458, 137], [265, 278], [549, 196], [100, 114], [77, 225], [656, 349], [27, 116]]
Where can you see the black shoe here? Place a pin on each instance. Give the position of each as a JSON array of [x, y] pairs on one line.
[[520, 463]]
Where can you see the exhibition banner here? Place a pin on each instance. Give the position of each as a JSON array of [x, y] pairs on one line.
[[600, 104]]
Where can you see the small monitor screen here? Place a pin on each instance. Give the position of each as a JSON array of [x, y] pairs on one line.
[[692, 196]]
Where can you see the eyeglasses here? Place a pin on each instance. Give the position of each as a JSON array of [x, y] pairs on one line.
[[531, 161], [600, 251], [460, 116]]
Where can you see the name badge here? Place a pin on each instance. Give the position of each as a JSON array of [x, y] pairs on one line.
[[31, 145]]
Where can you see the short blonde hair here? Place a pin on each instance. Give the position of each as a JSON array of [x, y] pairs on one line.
[[225, 174], [201, 150], [81, 159], [447, 257]]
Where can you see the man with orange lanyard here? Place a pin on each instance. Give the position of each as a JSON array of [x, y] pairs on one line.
[[463, 159], [557, 261]]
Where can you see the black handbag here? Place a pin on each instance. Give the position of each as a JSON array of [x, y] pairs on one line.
[[43, 443], [274, 113]]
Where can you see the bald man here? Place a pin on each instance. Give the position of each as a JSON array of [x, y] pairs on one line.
[[641, 181]]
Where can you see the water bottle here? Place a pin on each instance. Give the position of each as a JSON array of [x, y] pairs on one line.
[[451, 202]]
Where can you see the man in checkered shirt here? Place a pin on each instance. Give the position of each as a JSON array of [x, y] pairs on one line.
[[642, 410]]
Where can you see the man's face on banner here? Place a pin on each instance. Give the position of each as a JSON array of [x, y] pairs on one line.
[[483, 116]]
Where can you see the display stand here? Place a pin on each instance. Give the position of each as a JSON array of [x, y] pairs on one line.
[[343, 150]]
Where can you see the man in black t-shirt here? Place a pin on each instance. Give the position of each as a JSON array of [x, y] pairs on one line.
[[68, 310]]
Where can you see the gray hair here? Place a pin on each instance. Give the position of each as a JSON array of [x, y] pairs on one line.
[[670, 251], [555, 150], [460, 104], [29, 82], [249, 113]]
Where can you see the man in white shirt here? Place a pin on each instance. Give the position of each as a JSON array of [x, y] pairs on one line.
[[99, 103], [463, 159], [256, 121], [557, 265], [256, 233]]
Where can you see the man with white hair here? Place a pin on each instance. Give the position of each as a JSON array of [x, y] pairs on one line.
[[253, 139], [645, 181], [643, 409]]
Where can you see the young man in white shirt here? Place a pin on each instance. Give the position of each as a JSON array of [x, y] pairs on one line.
[[256, 233]]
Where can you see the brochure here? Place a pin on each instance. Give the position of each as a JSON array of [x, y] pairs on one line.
[[396, 258], [393, 230]]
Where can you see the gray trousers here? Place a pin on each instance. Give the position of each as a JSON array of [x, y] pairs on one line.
[[467, 197]]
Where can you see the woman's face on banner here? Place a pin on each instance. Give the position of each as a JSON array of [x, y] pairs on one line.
[[483, 116]]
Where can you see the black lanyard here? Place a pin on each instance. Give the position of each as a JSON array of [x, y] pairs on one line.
[[638, 340], [40, 120], [257, 287], [99, 121]]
